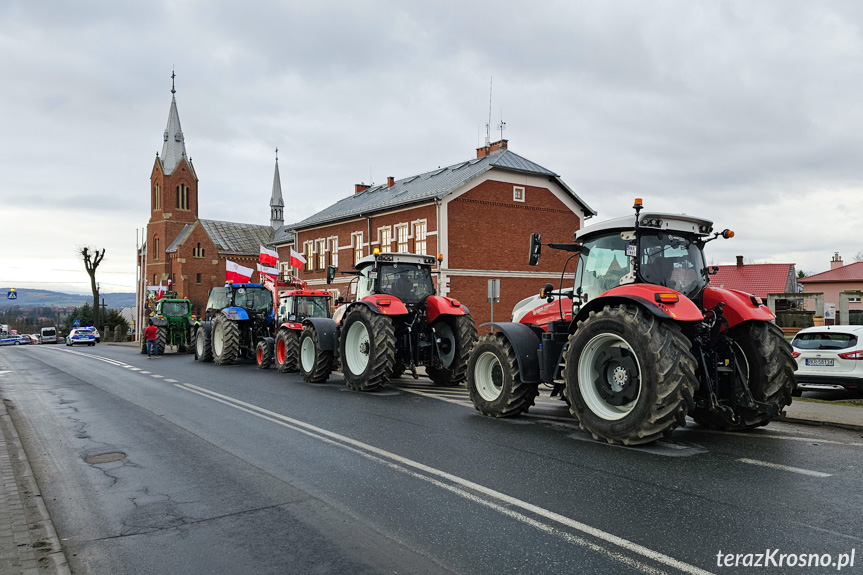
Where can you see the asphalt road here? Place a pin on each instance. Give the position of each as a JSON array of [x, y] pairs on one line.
[[237, 470]]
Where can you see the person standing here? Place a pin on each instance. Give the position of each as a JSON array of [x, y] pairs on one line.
[[151, 334]]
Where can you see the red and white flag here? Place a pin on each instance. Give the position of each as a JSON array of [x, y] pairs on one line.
[[297, 259], [236, 273], [160, 291], [269, 257], [272, 273]]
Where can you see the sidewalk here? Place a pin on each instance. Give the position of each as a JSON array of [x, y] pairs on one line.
[[28, 542], [815, 413]]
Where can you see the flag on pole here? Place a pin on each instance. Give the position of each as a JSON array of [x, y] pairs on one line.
[[269, 257], [236, 273], [160, 291], [297, 259], [272, 273]]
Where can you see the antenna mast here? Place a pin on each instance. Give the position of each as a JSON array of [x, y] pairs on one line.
[[488, 125]]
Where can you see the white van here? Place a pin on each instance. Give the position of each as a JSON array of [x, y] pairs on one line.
[[49, 335]]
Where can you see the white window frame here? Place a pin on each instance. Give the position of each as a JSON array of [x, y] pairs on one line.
[[385, 245], [333, 248], [357, 245], [518, 193], [309, 253], [854, 299], [321, 249], [402, 247], [418, 239]]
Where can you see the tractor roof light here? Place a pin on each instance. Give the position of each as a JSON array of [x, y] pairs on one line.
[[727, 234], [638, 202], [377, 251], [667, 297]]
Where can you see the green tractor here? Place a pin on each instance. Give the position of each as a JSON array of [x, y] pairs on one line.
[[173, 316]]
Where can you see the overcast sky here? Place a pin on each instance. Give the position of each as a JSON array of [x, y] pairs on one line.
[[746, 113]]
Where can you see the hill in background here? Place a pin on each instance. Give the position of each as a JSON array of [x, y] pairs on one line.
[[46, 298]]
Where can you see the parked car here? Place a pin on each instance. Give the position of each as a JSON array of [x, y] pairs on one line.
[[80, 336], [15, 340], [92, 330], [829, 358]]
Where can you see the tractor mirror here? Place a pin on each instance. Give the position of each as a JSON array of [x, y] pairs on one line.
[[535, 249], [331, 274]]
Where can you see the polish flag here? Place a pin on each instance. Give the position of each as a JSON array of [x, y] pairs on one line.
[[236, 273], [268, 272], [160, 291], [269, 257], [297, 259]]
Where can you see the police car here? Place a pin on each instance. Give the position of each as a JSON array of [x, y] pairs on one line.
[[80, 336]]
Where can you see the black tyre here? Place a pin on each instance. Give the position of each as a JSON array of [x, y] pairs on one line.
[[192, 343], [630, 376], [493, 379], [315, 364], [264, 353], [287, 350], [226, 341], [143, 344], [204, 343], [367, 349], [765, 357], [456, 335], [161, 340]]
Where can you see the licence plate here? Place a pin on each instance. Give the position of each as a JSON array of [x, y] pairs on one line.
[[822, 362]]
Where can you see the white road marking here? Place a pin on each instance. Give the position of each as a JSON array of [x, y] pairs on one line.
[[755, 435], [469, 490], [145, 372], [156, 375], [171, 380], [784, 467]]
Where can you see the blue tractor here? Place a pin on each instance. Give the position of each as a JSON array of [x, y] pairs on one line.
[[239, 322]]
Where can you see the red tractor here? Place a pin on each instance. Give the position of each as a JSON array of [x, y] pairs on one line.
[[295, 305], [396, 323], [641, 340]]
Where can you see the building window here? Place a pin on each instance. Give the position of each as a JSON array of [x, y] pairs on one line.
[[517, 194], [157, 197], [155, 247], [854, 299], [385, 236], [402, 238], [322, 254], [308, 248], [357, 240], [183, 197], [198, 279], [198, 252], [420, 238], [334, 251]]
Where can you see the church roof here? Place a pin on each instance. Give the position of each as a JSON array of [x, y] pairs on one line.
[[173, 145], [230, 238], [276, 199], [430, 185]]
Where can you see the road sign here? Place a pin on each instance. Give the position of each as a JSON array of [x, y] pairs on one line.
[[493, 290], [11, 294], [76, 323]]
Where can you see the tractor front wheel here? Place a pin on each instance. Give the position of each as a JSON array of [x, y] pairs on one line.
[[226, 341], [630, 376], [315, 363], [454, 337], [367, 349], [204, 343], [493, 379], [287, 350], [264, 353]]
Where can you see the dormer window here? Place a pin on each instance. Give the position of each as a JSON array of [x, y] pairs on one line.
[[166, 135], [177, 137]]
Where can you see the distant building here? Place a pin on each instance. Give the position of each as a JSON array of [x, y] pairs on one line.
[[839, 278], [757, 279]]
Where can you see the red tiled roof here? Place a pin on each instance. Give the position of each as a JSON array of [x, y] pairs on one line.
[[757, 279], [850, 273]]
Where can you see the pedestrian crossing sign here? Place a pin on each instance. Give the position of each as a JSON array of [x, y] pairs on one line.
[[11, 294]]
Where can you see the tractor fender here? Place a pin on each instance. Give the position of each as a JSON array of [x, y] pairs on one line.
[[328, 332], [525, 343], [438, 305], [643, 295], [378, 304], [739, 306], [159, 322], [293, 325], [235, 313], [207, 326]]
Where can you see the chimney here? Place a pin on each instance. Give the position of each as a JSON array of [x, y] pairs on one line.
[[492, 147], [391, 181], [740, 261], [360, 188], [836, 262]]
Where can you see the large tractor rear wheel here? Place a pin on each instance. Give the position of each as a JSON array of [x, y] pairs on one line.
[[161, 340], [764, 356], [264, 353], [493, 379], [455, 335], [630, 376], [143, 344], [226, 341], [367, 349], [315, 363], [287, 350], [204, 343]]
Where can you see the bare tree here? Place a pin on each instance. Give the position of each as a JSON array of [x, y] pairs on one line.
[[858, 257], [91, 262]]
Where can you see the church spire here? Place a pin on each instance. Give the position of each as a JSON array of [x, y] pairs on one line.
[[174, 146], [277, 205]]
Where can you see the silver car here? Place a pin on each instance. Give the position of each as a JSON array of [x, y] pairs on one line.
[[829, 358]]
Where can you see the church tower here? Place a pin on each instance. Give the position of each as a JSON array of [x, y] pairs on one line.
[[173, 195], [277, 205]]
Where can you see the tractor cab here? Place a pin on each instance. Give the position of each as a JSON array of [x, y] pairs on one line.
[[407, 277], [253, 298]]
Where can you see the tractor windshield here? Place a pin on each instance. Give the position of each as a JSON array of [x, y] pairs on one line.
[[602, 264], [411, 283], [175, 308], [672, 260], [257, 299], [311, 306]]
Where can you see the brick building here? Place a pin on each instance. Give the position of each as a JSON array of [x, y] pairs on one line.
[[189, 251], [478, 214]]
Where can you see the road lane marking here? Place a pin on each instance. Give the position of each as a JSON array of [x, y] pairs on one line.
[[754, 435], [157, 375], [785, 467], [468, 489], [171, 380]]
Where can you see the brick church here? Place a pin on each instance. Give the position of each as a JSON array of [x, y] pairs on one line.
[[189, 251]]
